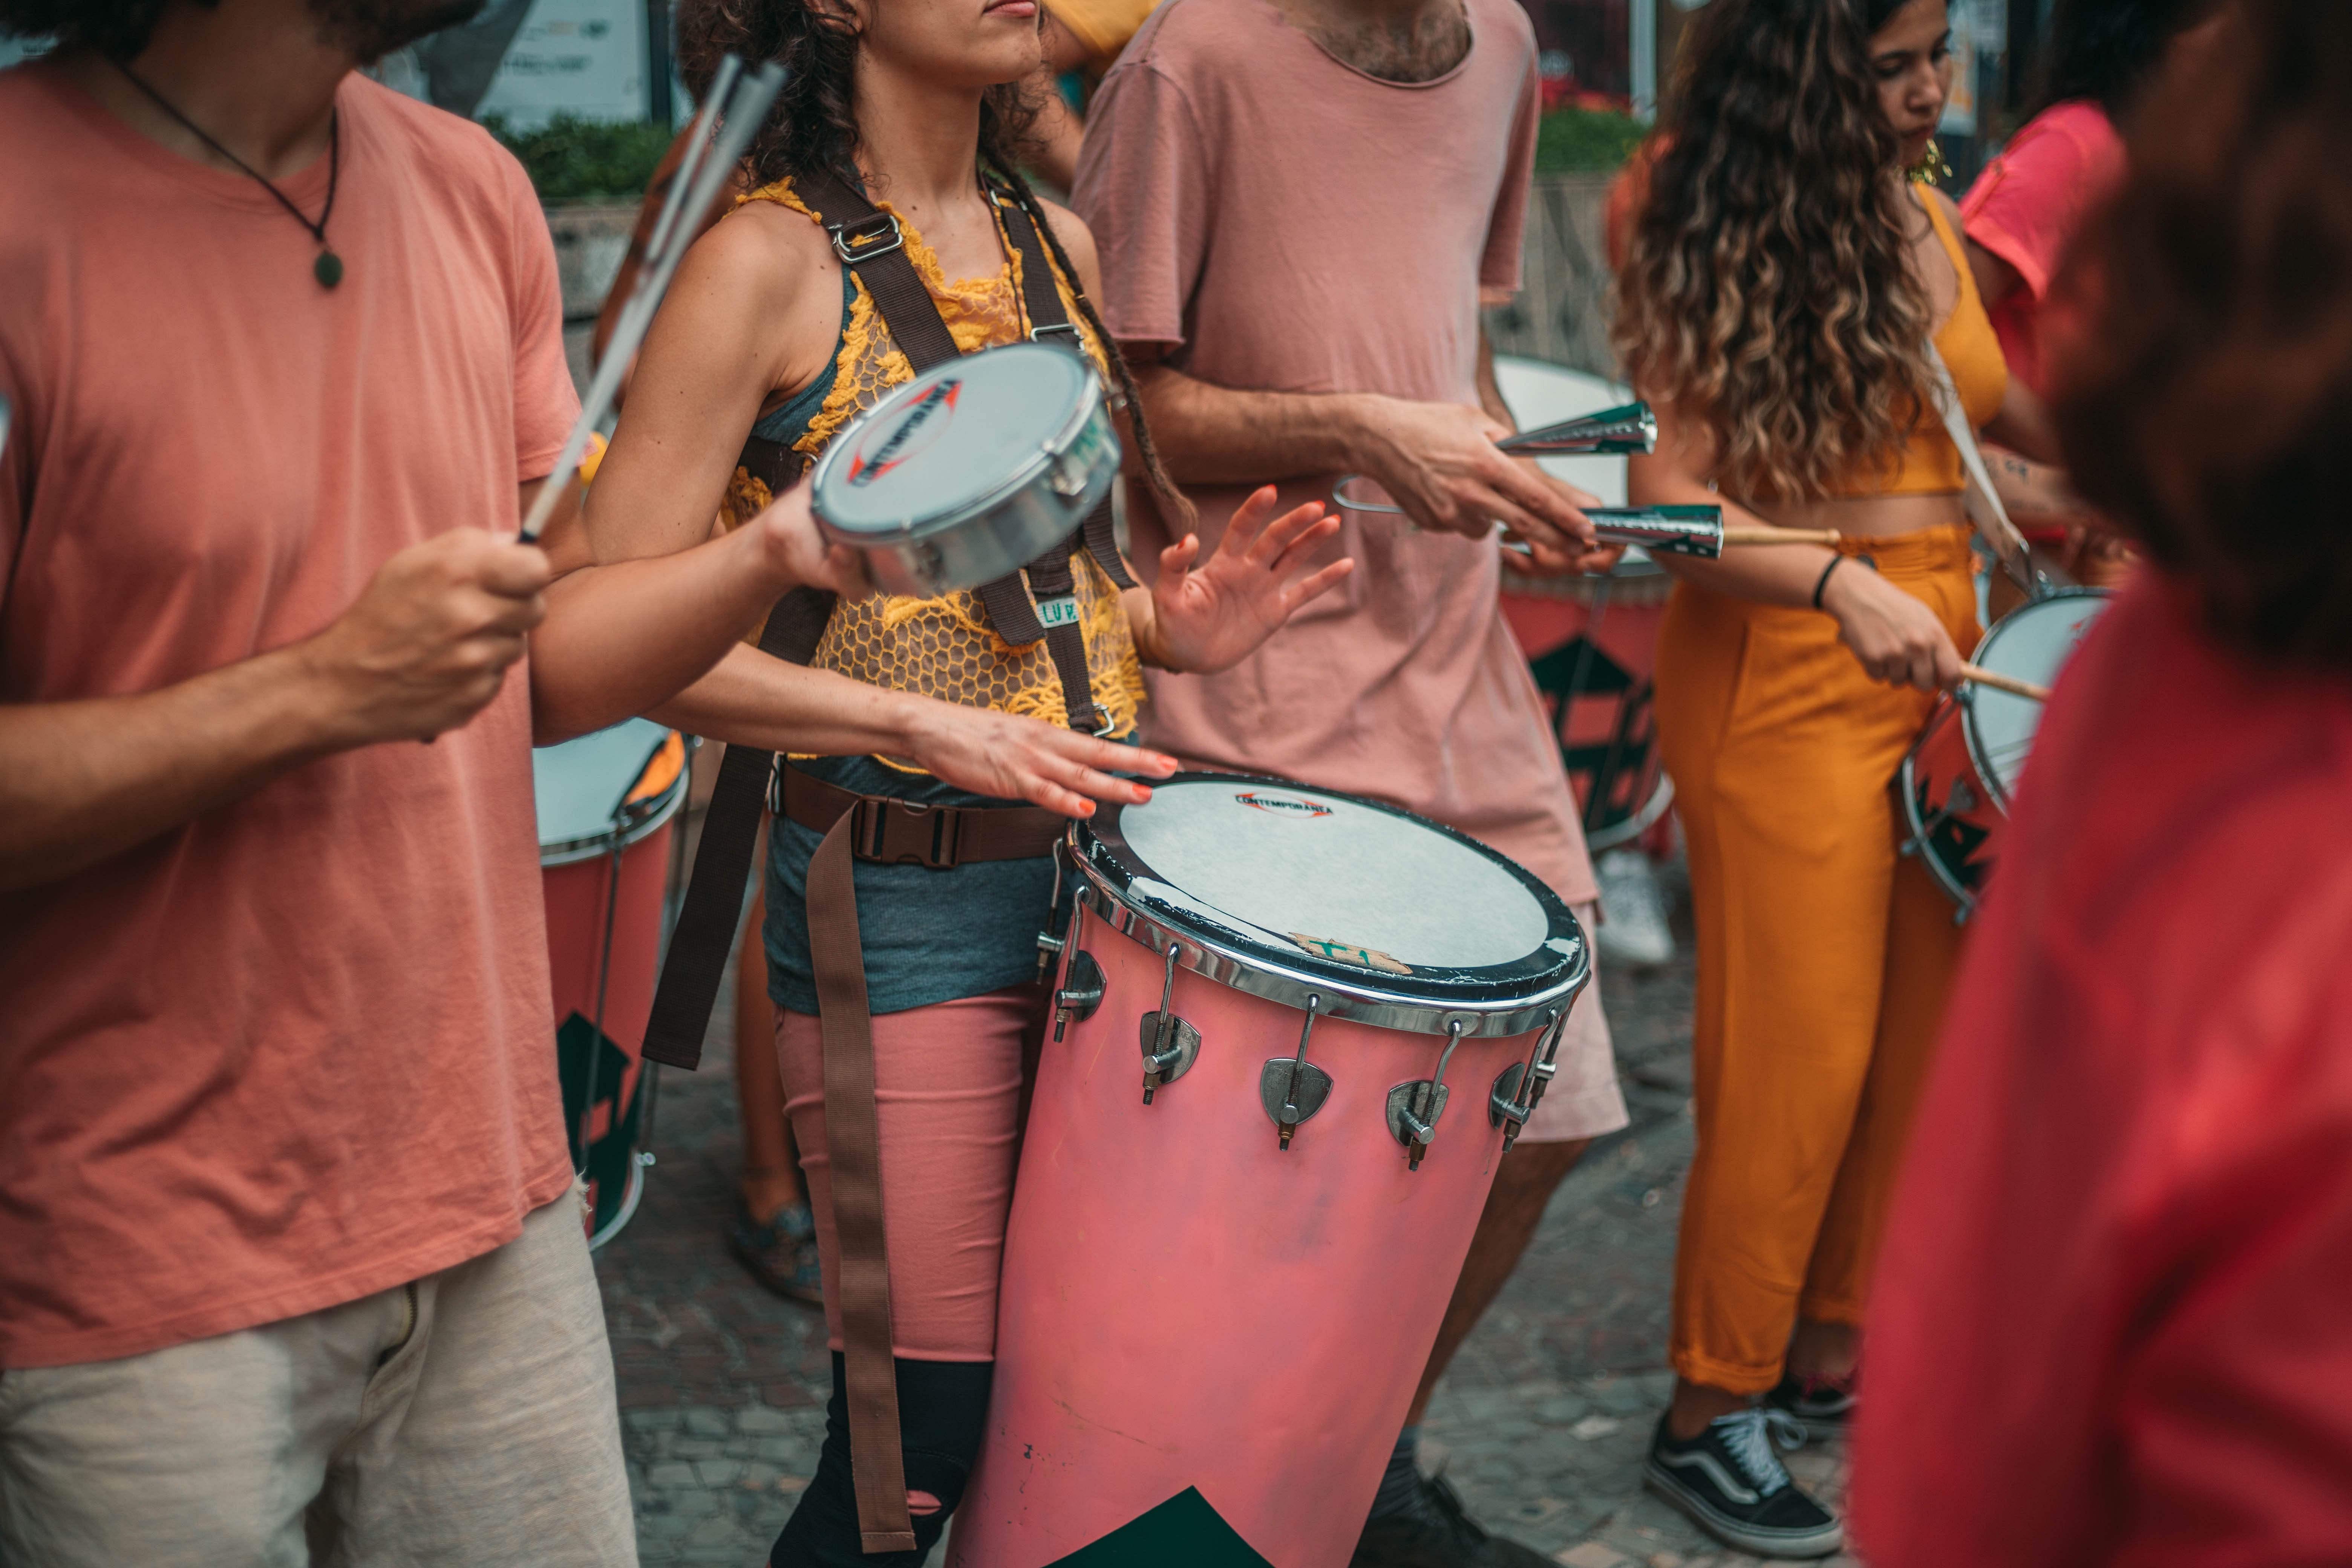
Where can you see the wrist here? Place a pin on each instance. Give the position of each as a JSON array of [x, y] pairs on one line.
[[1361, 427], [1845, 577], [319, 703]]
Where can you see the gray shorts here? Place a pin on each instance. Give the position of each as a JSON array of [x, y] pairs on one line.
[[1584, 1099], [465, 1419]]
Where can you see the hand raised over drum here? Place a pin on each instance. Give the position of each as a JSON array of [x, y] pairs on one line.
[[1208, 617], [1898, 639], [1017, 758]]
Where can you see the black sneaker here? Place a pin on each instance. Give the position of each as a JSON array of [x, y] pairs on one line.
[[1439, 1534], [1823, 1407], [1730, 1481]]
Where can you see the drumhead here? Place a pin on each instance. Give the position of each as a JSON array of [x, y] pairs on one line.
[[2032, 642], [1386, 916], [627, 779], [956, 440]]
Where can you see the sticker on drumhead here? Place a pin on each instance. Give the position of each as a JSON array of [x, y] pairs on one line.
[[1342, 952], [1341, 871], [953, 438]]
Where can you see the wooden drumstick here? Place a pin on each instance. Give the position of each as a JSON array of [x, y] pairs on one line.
[[2009, 683], [1828, 536]]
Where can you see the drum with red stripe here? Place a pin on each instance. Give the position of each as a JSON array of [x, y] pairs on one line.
[[605, 804]]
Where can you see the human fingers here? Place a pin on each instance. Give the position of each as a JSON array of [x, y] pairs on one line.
[[1249, 520], [1277, 537], [1537, 492], [1317, 584], [1304, 539], [1104, 755], [1178, 558], [504, 566]]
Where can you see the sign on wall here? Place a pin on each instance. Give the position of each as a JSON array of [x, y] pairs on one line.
[[584, 57]]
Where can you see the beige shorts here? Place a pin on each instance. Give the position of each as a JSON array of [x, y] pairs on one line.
[[465, 1420], [1583, 1100]]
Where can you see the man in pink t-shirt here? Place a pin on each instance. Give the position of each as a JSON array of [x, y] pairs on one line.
[[288, 1252], [1299, 207]]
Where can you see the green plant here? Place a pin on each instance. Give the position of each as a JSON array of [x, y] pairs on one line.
[[1586, 140], [570, 159]]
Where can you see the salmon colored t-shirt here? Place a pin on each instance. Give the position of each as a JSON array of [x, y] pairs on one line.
[[296, 1051], [2027, 207], [1279, 221], [2110, 1326]]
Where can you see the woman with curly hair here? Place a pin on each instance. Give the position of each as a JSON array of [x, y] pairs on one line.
[[768, 345], [1784, 284], [2109, 1326]]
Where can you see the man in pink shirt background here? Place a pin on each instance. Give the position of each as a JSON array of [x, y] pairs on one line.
[[1299, 206]]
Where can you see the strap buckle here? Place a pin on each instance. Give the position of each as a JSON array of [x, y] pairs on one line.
[[860, 239], [1055, 330], [898, 832]]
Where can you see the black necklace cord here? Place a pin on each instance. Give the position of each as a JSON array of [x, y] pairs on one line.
[[329, 267]]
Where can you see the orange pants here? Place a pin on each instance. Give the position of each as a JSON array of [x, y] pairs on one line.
[[1823, 956]]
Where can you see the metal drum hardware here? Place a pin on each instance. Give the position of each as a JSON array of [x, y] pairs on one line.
[[1171, 1045], [1293, 1089], [1414, 1108]]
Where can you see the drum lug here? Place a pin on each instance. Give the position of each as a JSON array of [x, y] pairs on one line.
[[1413, 1111], [1081, 992], [1170, 1044], [1503, 1107], [1293, 1089], [1414, 1108]]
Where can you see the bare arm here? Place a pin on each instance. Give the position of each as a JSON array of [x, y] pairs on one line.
[[1996, 278], [424, 648], [1897, 638]]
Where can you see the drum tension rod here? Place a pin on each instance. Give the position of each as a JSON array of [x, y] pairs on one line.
[[1291, 1089], [1170, 1043], [1408, 1102], [1522, 1084], [1288, 1122]]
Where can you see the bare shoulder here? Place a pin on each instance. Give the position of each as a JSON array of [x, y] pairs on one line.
[[1078, 239], [1943, 204], [764, 252]]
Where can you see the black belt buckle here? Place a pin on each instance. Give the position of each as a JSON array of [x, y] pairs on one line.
[[900, 833]]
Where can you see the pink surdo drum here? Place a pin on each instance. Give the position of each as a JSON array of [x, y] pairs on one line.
[[1955, 788], [1294, 1033]]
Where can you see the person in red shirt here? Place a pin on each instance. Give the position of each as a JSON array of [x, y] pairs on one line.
[[2109, 1325]]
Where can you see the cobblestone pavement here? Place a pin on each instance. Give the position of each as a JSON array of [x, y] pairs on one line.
[[1541, 1423]]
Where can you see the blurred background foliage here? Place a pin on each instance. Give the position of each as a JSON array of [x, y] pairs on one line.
[[573, 160], [1572, 141]]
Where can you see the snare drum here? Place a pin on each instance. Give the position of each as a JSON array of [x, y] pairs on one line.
[[1955, 785], [1293, 1031], [970, 471], [604, 803]]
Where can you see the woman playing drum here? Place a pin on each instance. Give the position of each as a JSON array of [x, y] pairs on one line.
[[1784, 281], [767, 335]]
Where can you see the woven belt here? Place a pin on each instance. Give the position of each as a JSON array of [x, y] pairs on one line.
[[886, 831]]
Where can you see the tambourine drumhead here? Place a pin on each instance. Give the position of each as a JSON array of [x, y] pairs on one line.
[[955, 440], [1387, 907], [2032, 642]]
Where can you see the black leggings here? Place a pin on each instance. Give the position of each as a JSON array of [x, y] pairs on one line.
[[942, 1407]]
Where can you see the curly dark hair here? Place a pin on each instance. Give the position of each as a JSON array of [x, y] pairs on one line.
[[2208, 404], [2107, 50], [813, 126], [1767, 288], [116, 29]]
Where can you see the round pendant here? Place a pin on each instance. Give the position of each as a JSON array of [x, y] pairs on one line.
[[328, 268]]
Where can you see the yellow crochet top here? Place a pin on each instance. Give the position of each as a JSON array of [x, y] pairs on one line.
[[944, 648]]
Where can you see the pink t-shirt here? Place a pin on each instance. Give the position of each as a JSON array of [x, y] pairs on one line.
[[2109, 1325], [1283, 222], [2026, 208], [297, 1050]]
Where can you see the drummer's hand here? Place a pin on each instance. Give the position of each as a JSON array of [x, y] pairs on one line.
[[1016, 758], [1548, 560], [1209, 617], [1440, 463], [1898, 639], [800, 555]]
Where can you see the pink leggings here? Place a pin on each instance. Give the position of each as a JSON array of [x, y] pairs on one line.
[[948, 1091]]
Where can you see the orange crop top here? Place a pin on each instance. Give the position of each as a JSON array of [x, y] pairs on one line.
[[1930, 464]]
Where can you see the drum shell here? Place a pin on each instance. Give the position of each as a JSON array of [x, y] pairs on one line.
[[1185, 1304], [1959, 850], [1607, 733]]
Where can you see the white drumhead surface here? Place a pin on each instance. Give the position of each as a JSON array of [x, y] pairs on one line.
[[951, 437], [2032, 642], [1295, 861], [578, 786]]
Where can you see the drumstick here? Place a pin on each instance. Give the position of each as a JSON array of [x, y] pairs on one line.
[[740, 108], [1828, 536], [2009, 683]]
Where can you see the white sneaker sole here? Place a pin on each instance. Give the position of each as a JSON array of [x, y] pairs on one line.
[[1782, 1543]]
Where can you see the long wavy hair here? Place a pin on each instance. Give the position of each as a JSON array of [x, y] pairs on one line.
[[1767, 292], [2206, 403], [813, 126]]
